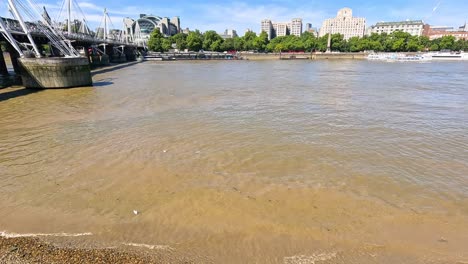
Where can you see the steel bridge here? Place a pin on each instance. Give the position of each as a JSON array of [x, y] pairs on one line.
[[30, 29]]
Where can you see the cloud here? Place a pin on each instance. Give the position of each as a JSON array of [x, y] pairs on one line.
[[243, 14]]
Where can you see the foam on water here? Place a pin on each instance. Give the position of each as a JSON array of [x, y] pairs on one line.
[[303, 259], [15, 235], [157, 247]]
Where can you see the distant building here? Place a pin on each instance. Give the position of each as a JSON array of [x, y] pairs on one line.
[[436, 32], [115, 34], [281, 29], [310, 29], [313, 31], [442, 28], [413, 27], [229, 33], [139, 30], [296, 27], [267, 26], [278, 29], [344, 23]]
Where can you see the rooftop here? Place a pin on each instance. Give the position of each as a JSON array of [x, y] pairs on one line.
[[407, 22]]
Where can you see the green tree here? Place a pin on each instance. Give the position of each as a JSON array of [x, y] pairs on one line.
[[249, 39], [239, 43], [217, 45], [155, 40], [353, 44], [166, 44], [180, 39], [414, 44], [462, 44], [294, 43], [228, 45], [279, 47], [276, 45], [447, 42], [309, 41], [434, 47], [398, 45], [376, 45], [209, 38], [322, 43], [337, 42], [261, 42], [425, 42], [397, 41], [195, 40]]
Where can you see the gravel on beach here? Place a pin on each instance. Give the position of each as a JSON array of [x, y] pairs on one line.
[[34, 250]]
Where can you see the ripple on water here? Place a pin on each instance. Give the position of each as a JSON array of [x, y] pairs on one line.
[[390, 132]]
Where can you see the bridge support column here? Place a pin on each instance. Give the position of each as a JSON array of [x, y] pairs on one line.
[[3, 67], [14, 56], [46, 73], [130, 54]]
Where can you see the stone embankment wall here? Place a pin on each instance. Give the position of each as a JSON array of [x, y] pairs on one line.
[[310, 56]]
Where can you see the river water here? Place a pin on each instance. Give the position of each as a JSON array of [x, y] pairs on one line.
[[240, 161]]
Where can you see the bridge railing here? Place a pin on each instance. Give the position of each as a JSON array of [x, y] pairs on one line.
[[14, 26]]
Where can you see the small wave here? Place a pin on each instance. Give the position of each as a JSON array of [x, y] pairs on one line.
[[302, 259], [14, 235], [159, 247]]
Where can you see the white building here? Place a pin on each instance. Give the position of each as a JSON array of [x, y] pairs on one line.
[[229, 33], [344, 23], [278, 29], [413, 27], [140, 30], [281, 29], [296, 27], [267, 27]]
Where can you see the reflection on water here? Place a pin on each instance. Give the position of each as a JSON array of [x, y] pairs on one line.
[[272, 158]]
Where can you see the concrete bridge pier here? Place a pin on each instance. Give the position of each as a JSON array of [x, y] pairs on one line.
[[14, 56], [116, 54], [55, 72], [130, 54], [97, 58], [3, 67]]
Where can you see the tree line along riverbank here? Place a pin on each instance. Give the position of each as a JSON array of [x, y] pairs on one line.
[[211, 41]]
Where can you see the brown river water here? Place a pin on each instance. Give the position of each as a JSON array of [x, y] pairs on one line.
[[246, 162]]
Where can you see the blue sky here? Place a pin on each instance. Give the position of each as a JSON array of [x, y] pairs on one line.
[[240, 15]]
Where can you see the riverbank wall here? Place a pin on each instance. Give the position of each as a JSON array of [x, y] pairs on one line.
[[304, 56]]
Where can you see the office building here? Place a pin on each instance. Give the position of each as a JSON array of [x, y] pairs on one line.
[[344, 23], [413, 27], [278, 29]]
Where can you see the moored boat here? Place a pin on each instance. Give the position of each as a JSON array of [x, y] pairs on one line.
[[449, 56], [397, 57]]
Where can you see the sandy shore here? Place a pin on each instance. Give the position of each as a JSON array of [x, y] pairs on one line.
[[35, 250]]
